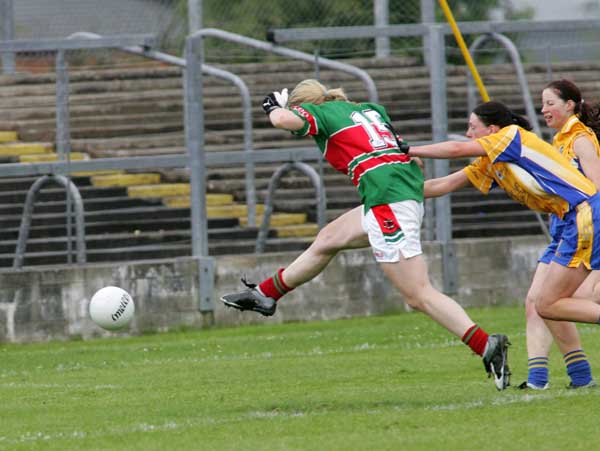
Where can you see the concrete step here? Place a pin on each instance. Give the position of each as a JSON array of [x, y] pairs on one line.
[[496, 229], [154, 251], [93, 204], [237, 186], [279, 219], [24, 148], [108, 216], [496, 217], [217, 227], [484, 206], [52, 193], [126, 180], [297, 230], [106, 241], [8, 136], [51, 156], [127, 239], [184, 201]]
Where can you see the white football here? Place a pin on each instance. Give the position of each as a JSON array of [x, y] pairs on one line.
[[111, 308]]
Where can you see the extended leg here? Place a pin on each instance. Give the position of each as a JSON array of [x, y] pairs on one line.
[[411, 277], [345, 232]]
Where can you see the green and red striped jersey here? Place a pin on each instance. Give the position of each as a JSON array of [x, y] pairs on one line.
[[355, 140]]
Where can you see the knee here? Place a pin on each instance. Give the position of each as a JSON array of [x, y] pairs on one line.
[[530, 306], [415, 304], [543, 310], [417, 297], [328, 242]]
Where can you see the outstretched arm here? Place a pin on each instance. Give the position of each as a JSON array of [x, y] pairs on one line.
[[444, 185], [282, 118], [448, 149]]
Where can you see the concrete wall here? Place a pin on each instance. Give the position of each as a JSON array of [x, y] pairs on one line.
[[52, 303]]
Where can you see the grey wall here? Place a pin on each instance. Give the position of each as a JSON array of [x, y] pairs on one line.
[[41, 304]]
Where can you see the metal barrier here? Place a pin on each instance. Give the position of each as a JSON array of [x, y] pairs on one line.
[[516, 61], [28, 212], [290, 53], [315, 178], [282, 35], [219, 73]]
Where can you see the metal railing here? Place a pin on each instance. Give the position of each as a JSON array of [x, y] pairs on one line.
[[321, 201], [515, 58], [72, 192], [283, 35], [293, 54]]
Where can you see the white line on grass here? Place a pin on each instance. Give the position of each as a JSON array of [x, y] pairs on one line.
[[18, 385], [502, 400], [511, 398]]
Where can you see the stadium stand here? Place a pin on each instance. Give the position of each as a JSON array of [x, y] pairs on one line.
[[138, 111]]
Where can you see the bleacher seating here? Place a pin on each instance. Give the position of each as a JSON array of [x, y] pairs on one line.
[[138, 111]]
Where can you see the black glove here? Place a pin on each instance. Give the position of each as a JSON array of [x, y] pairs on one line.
[[275, 100], [402, 145]]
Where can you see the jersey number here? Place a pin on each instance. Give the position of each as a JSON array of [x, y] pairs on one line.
[[380, 136]]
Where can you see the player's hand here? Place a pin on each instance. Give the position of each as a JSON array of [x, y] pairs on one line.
[[275, 100], [402, 145], [419, 163]]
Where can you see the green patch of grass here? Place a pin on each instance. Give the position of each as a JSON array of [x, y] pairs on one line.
[[386, 383]]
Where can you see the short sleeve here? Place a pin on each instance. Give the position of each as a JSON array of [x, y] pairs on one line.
[[311, 126]]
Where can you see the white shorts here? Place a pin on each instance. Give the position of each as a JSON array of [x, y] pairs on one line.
[[394, 230]]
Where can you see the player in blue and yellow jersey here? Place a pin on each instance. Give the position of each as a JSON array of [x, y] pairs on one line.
[[577, 128], [533, 173], [483, 122], [358, 140]]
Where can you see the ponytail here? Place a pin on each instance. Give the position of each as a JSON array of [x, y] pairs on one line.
[[312, 91], [590, 116], [521, 121]]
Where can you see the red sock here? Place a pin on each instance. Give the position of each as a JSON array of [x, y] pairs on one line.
[[274, 287], [476, 339]]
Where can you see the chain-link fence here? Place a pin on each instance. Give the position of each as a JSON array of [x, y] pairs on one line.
[[169, 20]]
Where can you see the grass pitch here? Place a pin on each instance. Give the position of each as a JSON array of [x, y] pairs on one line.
[[384, 383]]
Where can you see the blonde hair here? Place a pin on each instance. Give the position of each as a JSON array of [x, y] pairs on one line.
[[312, 91]]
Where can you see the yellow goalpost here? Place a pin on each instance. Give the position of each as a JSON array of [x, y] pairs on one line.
[[464, 50]]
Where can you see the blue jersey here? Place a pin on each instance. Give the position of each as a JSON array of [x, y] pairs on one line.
[[530, 170]]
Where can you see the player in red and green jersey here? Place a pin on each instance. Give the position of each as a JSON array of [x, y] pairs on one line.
[[358, 140]]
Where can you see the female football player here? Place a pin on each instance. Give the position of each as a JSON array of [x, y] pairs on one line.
[[358, 140], [533, 173], [483, 122]]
